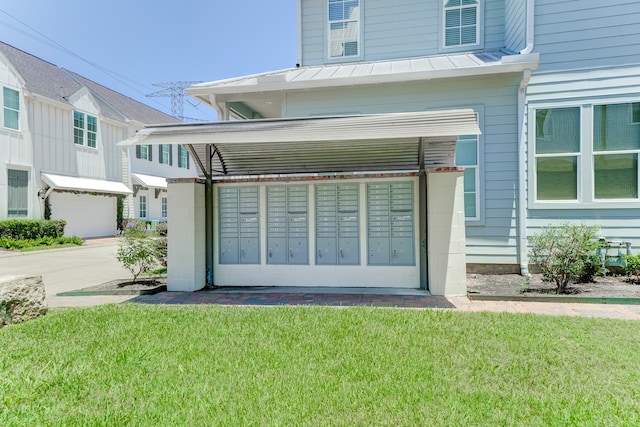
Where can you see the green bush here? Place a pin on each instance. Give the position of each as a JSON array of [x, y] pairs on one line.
[[564, 252], [17, 244], [25, 229], [632, 266], [137, 253], [162, 229]]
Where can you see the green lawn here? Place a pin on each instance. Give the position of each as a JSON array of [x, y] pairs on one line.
[[209, 365]]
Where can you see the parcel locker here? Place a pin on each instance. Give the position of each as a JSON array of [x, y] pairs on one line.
[[390, 223], [238, 225], [337, 232], [287, 225]]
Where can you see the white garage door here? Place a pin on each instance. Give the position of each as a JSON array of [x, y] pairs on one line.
[[86, 215]]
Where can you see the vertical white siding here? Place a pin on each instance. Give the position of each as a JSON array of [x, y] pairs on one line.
[[587, 34]]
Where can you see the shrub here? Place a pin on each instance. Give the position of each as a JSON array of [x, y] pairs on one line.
[[25, 229], [162, 229], [136, 253], [563, 252], [9, 243], [632, 266], [161, 250]]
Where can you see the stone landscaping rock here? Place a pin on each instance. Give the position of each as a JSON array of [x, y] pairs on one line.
[[21, 298]]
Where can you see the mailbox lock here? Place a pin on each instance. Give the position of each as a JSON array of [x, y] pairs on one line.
[[341, 253], [395, 253], [319, 253], [270, 252], [242, 252]]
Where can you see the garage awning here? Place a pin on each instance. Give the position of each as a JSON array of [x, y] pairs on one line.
[[149, 181], [373, 142], [88, 185]]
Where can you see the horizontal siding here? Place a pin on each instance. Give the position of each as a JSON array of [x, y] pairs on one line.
[[393, 30], [572, 35], [515, 24], [313, 30], [494, 96]]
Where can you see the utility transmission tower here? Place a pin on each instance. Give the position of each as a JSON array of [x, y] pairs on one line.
[[174, 90]]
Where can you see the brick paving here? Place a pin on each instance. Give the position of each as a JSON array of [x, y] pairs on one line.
[[272, 298]]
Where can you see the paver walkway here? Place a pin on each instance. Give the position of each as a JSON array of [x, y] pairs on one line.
[[413, 300]]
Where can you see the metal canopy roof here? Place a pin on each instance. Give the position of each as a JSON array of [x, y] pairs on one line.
[[91, 185], [322, 144]]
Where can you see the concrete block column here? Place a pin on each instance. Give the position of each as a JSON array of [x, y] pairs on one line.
[[186, 267], [446, 250]]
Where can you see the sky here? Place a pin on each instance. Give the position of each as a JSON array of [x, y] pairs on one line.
[[128, 45]]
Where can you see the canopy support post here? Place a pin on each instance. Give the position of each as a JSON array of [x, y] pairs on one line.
[[208, 220], [422, 213]]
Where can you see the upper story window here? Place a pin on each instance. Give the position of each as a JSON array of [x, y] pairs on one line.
[[587, 154], [85, 129], [18, 189], [165, 154], [143, 152], [344, 28], [461, 22], [183, 158], [11, 99], [467, 156]]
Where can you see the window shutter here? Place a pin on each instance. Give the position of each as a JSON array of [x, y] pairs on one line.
[[160, 153], [170, 154], [187, 158], [149, 152], [137, 151]]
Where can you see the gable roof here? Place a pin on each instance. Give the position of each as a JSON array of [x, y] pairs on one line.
[[50, 81]]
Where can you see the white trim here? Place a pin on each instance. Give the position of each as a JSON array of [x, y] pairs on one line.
[[149, 181], [479, 23], [89, 185]]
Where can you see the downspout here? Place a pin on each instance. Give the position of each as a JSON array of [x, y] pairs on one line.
[[529, 28], [522, 176], [523, 254]]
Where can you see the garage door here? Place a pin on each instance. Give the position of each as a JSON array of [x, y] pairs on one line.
[[86, 215]]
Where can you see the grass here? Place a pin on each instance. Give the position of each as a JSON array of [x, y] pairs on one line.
[[211, 365]]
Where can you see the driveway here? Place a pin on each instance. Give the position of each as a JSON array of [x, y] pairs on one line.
[[69, 269]]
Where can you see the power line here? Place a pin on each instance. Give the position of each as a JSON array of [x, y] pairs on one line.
[[122, 79]]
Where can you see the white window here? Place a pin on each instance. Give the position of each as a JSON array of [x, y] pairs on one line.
[[183, 159], [18, 200], [164, 207], [85, 129], [461, 23], [467, 156], [344, 28], [11, 99], [165, 154], [143, 206], [143, 152], [587, 154]]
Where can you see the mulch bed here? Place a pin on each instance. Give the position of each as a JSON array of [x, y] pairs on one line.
[[144, 286], [514, 286]]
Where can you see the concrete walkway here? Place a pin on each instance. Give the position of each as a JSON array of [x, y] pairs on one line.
[[94, 263]]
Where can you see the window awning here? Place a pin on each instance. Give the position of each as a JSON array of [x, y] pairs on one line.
[[374, 142], [149, 181], [87, 185]]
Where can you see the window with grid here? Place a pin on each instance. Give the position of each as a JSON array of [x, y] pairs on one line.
[[461, 22], [142, 205], [596, 166], [164, 207], [183, 159], [467, 156], [18, 197], [165, 154], [344, 28], [11, 102], [143, 152], [85, 129]]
